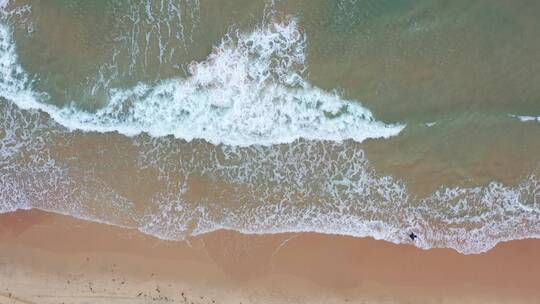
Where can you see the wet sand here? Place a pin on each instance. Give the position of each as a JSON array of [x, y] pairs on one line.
[[49, 258]]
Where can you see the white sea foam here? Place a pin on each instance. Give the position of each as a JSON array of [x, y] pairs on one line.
[[249, 91], [330, 188], [525, 118], [31, 177]]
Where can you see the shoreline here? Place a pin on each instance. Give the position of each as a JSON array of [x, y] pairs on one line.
[[51, 258]]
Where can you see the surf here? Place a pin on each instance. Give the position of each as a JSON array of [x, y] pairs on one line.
[[249, 91]]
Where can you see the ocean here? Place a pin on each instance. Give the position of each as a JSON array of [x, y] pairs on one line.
[[363, 118]]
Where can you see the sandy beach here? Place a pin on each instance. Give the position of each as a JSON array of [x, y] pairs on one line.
[[49, 258]]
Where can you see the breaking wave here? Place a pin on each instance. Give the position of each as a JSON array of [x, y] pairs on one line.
[[249, 91]]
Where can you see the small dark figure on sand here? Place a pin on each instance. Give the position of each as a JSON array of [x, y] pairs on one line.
[[413, 236]]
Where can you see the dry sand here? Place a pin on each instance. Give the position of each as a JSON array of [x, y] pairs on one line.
[[49, 258]]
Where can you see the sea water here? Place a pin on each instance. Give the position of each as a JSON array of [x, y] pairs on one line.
[[362, 118]]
